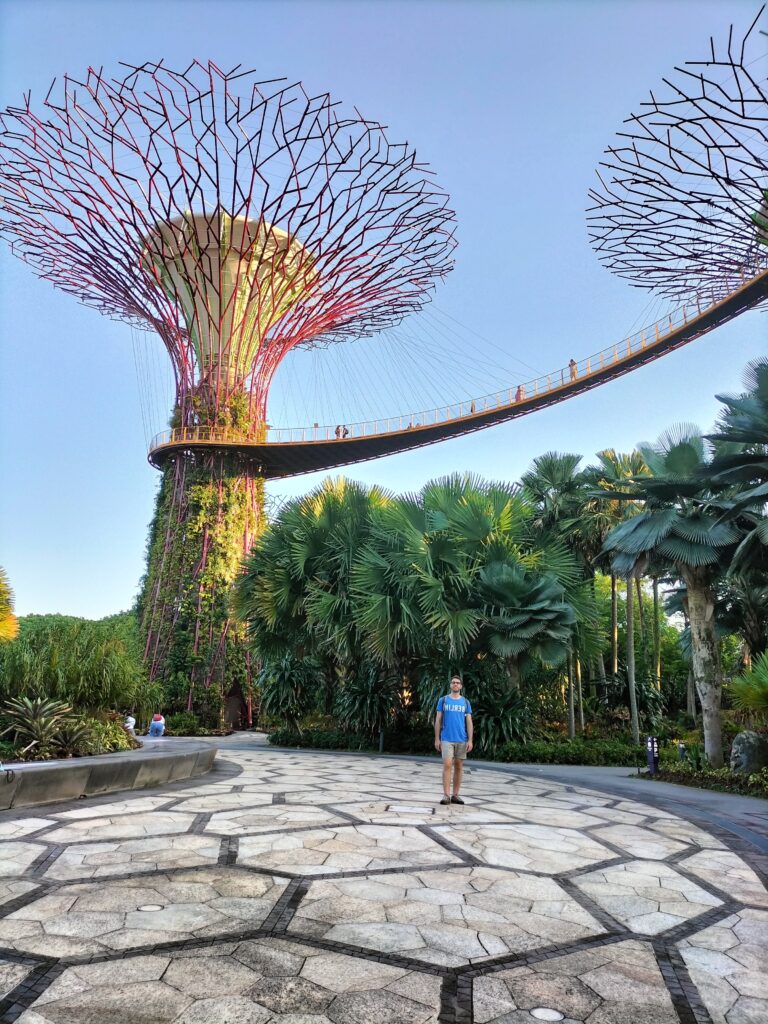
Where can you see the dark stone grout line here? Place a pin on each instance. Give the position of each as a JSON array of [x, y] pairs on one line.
[[282, 913], [28, 991], [25, 898], [685, 996], [694, 925], [527, 957], [609, 923], [278, 798], [228, 851], [44, 860], [470, 859], [401, 869], [199, 824]]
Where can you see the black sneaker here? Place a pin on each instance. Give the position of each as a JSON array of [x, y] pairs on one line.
[[445, 800], [456, 800]]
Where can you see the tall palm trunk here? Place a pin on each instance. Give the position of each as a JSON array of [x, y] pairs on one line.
[[614, 627], [656, 635], [571, 715], [705, 654], [580, 693], [634, 721]]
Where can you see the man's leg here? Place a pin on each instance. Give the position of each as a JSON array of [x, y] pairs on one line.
[[458, 768], [448, 769]]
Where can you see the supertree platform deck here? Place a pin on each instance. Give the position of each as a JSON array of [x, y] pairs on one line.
[[289, 452]]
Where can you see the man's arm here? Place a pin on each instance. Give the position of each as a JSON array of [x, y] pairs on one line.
[[470, 732], [438, 727]]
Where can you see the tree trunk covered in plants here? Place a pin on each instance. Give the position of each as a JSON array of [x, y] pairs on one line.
[[705, 655], [571, 710], [633, 717], [656, 635], [207, 516], [614, 627], [513, 673], [690, 697]]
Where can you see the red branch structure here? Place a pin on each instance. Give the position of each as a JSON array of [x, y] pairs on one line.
[[682, 203], [239, 219]]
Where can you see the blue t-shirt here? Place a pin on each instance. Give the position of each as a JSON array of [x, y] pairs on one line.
[[454, 710]]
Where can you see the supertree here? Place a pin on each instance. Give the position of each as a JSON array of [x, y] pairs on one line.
[[682, 203], [239, 219]]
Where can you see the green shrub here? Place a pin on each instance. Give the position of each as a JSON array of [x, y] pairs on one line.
[[716, 778], [594, 752], [321, 739], [183, 723], [108, 736]]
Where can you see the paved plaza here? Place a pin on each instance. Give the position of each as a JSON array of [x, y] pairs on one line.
[[308, 888]]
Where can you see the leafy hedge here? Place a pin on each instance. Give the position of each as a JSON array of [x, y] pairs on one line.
[[321, 739], [594, 752], [716, 778]]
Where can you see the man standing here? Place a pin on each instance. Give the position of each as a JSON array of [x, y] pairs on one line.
[[453, 739]]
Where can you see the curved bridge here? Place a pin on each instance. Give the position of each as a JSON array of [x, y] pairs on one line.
[[287, 452]]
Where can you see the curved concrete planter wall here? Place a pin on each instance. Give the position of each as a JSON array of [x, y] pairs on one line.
[[153, 765]]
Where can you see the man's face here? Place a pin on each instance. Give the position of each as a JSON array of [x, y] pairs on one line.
[[456, 686]]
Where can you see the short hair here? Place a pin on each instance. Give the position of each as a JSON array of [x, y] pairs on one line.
[[457, 677]]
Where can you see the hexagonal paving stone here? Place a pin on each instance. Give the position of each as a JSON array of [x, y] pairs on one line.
[[122, 826], [15, 858], [728, 963], [99, 860], [343, 848], [727, 871], [528, 847], [10, 890], [619, 983], [253, 982], [111, 808], [89, 918], [451, 917], [18, 827], [646, 896], [11, 975], [273, 817], [639, 842], [408, 811]]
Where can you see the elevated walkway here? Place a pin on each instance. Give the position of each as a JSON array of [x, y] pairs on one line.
[[291, 451]]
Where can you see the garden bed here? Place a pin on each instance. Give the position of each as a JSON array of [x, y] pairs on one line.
[[721, 779]]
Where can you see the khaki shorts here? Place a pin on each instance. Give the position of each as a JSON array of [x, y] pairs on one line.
[[453, 751]]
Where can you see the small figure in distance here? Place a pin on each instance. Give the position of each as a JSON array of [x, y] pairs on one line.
[[345, 431], [573, 368], [337, 432], [472, 406], [520, 393], [156, 726], [130, 724], [453, 739]]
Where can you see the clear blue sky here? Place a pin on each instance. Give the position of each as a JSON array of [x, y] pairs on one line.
[[511, 104]]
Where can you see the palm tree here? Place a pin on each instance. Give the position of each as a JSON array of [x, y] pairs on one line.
[[9, 624], [678, 526], [740, 466]]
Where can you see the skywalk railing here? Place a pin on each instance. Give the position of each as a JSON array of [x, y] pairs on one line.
[[519, 394]]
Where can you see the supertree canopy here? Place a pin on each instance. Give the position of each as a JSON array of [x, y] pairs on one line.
[[239, 219], [682, 203]]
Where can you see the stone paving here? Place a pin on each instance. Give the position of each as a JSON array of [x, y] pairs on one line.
[[329, 889]]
